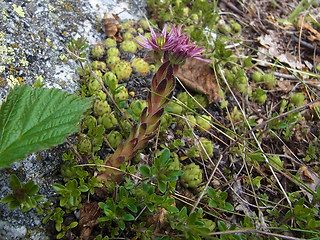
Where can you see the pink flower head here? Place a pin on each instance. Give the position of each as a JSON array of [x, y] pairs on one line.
[[183, 51], [173, 44], [162, 41]]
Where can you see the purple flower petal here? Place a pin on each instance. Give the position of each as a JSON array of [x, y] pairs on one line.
[[174, 44]]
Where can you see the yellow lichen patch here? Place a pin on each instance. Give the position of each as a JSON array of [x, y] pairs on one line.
[[49, 42], [2, 68], [4, 14], [2, 36], [51, 8], [24, 62], [2, 81], [69, 8], [6, 54], [14, 45], [63, 57], [12, 81], [12, 70], [39, 78], [18, 10]]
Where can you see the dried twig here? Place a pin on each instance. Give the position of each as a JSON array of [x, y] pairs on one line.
[[283, 115]]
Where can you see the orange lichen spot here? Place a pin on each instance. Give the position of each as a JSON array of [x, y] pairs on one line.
[[14, 45], [12, 70], [21, 80], [68, 7], [2, 82]]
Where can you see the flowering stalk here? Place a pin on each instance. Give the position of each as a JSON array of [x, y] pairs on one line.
[[171, 50], [162, 87]]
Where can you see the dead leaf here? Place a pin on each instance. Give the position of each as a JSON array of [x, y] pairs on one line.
[[89, 214], [267, 40], [271, 47], [284, 86], [314, 34], [309, 178], [315, 105], [199, 77], [291, 60], [157, 220], [305, 175]]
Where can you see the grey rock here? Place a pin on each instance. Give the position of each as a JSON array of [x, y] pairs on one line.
[[33, 36]]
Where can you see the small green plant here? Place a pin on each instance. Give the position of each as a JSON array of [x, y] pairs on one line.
[[140, 66], [136, 108], [257, 76], [203, 121], [109, 121], [122, 69], [269, 80], [55, 215], [297, 99], [208, 147], [77, 48], [113, 52], [259, 95], [128, 46], [161, 171], [109, 42], [218, 199], [114, 138], [65, 229], [23, 195], [101, 108], [97, 51], [192, 176], [70, 194], [192, 226], [119, 212]]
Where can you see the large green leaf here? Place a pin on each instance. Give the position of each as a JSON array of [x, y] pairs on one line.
[[32, 119]]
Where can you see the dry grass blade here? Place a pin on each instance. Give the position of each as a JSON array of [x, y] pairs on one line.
[[256, 140]]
